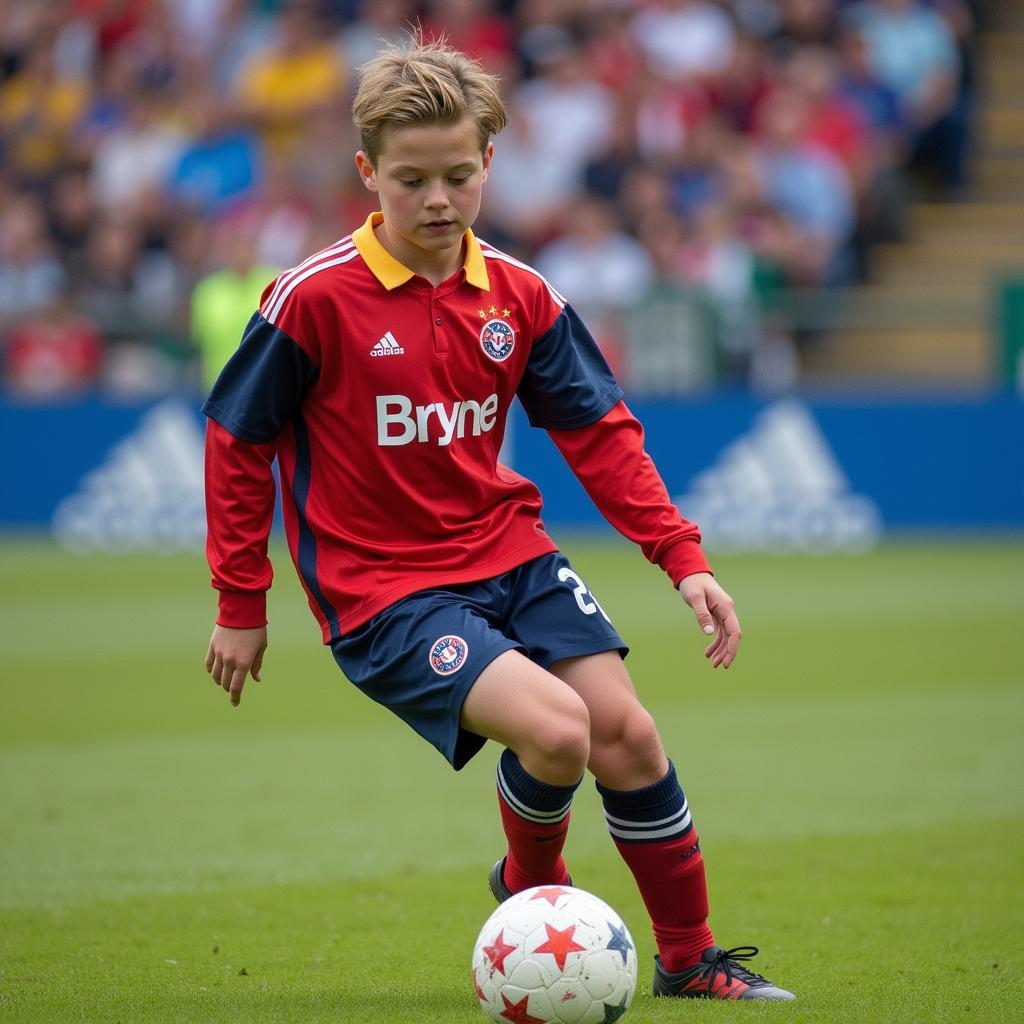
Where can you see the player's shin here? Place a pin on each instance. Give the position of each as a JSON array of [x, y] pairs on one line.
[[535, 817], [654, 833]]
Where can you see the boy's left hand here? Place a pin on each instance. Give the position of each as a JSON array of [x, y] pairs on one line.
[[715, 614]]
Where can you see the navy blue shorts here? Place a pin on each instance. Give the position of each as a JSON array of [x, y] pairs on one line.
[[420, 656]]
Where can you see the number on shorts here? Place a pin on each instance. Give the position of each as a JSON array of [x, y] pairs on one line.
[[586, 600]]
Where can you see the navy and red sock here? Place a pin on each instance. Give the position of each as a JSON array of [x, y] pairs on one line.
[[654, 833], [535, 816]]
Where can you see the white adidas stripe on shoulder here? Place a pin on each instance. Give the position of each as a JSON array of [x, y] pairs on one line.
[[342, 245], [495, 254], [274, 308]]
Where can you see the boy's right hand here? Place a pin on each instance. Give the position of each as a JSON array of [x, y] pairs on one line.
[[233, 654]]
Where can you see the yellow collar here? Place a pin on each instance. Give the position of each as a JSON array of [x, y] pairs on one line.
[[391, 273]]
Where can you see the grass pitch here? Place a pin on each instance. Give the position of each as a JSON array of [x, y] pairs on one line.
[[857, 778]]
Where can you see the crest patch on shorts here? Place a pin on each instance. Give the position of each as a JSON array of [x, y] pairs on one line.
[[448, 654]]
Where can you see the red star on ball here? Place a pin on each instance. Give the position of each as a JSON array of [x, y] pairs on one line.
[[551, 893], [479, 991], [560, 944], [518, 1013], [497, 953]]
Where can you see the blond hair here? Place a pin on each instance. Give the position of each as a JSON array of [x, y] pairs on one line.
[[424, 83]]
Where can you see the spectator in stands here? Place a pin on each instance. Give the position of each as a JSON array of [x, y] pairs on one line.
[[569, 113], [111, 290], [475, 28], [684, 39], [883, 202], [736, 94], [224, 300], [54, 354], [912, 50], [665, 114], [833, 122], [283, 213], [133, 162], [244, 30], [878, 103], [805, 23], [378, 22], [198, 25], [139, 123], [219, 165], [667, 340], [561, 120], [611, 49], [280, 86], [946, 143], [595, 261], [700, 179], [107, 109], [38, 109], [31, 277], [71, 211], [716, 260], [809, 187]]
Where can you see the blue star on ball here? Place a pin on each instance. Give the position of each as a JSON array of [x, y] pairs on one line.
[[619, 942]]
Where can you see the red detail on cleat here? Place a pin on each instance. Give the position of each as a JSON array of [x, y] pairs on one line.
[[518, 1013], [497, 953], [717, 986], [560, 944]]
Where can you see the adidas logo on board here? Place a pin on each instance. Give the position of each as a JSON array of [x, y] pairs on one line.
[[387, 346], [147, 493], [779, 488]]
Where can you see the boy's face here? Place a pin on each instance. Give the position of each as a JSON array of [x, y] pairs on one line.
[[429, 179]]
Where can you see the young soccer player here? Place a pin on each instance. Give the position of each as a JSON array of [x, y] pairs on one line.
[[379, 373]]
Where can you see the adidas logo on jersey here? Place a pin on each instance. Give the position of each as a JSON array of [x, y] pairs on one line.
[[387, 346], [779, 487]]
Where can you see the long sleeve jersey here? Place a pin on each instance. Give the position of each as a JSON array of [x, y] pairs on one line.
[[384, 400]]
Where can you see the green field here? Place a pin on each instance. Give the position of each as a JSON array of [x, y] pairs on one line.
[[857, 778]]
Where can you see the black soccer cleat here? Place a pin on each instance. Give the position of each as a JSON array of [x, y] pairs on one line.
[[719, 975], [496, 882]]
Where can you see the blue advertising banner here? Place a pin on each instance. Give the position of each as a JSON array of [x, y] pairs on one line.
[[816, 473], [800, 473], [105, 476]]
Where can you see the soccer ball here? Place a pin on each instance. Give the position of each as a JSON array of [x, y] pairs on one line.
[[554, 955]]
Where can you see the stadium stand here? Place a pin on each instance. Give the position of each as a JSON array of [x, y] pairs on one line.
[[782, 202]]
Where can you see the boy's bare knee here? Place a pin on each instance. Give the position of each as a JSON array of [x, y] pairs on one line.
[[558, 749], [629, 755]]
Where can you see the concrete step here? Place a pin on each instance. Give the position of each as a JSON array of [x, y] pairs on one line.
[[913, 271], [943, 303], [1002, 79], [1003, 175], [1005, 237], [1001, 125], [960, 357], [1008, 41], [952, 215], [963, 251]]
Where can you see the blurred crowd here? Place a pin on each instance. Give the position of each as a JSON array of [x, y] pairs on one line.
[[673, 166]]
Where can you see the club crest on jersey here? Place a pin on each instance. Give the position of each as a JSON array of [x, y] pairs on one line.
[[448, 654], [498, 339]]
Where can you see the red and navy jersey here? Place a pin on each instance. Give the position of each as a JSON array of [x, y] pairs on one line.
[[384, 399]]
